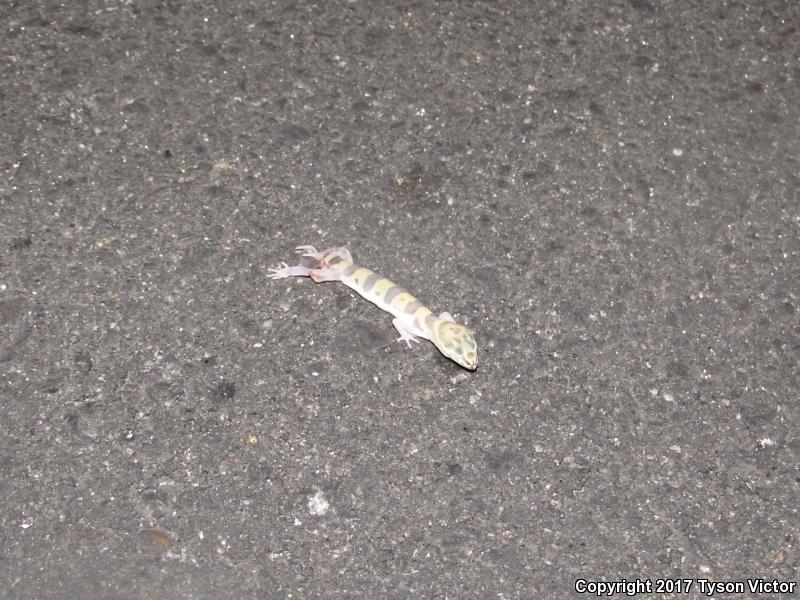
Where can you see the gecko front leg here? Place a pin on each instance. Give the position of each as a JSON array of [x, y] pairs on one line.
[[406, 335]]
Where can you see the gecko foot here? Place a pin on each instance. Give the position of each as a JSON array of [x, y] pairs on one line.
[[284, 270], [407, 340], [405, 334], [309, 251]]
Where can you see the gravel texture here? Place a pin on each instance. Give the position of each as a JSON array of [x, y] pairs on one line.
[[606, 192]]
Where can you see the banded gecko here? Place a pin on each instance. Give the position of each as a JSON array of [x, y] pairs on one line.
[[411, 318]]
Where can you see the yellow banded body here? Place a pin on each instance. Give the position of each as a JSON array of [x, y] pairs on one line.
[[386, 294]]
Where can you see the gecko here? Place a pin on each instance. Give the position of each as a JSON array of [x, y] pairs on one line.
[[412, 319]]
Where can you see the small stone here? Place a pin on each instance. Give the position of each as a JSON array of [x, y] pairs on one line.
[[318, 505]]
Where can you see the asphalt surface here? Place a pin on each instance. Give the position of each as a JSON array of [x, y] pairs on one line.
[[606, 192]]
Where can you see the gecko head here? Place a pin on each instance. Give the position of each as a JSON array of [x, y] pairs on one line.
[[457, 343]]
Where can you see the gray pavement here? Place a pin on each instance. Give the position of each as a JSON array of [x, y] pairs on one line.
[[606, 192]]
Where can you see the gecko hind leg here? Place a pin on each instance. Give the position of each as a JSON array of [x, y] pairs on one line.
[[312, 252], [318, 275], [309, 251], [283, 270]]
